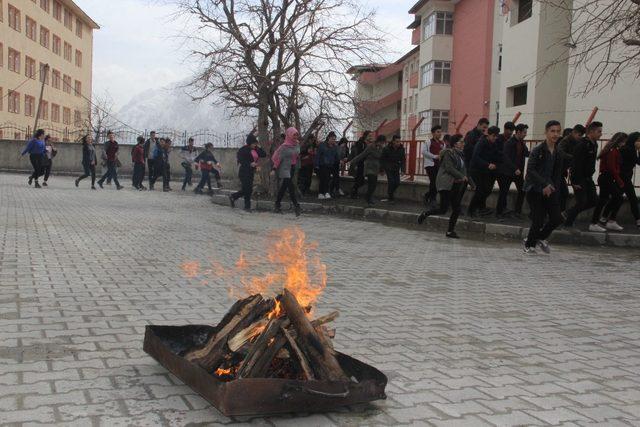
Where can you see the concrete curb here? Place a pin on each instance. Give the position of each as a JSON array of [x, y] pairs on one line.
[[440, 223]]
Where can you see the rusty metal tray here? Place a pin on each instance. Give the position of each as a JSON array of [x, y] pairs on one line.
[[259, 396]]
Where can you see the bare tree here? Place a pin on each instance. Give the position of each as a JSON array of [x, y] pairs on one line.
[[281, 60], [101, 117], [603, 41]]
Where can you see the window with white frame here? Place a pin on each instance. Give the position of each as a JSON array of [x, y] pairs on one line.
[[433, 118], [435, 72], [437, 23]]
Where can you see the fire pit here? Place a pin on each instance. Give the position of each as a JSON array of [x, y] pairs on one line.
[[287, 365]]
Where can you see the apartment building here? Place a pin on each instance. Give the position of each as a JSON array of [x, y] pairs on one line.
[[48, 41]]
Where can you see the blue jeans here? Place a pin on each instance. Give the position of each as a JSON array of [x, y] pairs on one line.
[[188, 174], [206, 179], [112, 172]]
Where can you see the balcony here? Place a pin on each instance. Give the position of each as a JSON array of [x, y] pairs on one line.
[[415, 36], [370, 78], [414, 80], [371, 107]]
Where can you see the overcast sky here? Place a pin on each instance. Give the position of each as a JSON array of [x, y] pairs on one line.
[[136, 48]]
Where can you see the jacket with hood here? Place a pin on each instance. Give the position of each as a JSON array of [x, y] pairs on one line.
[[286, 155]]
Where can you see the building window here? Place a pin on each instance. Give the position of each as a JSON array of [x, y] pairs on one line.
[[14, 60], [1, 12], [14, 102], [78, 88], [1, 53], [1, 102], [500, 57], [57, 43], [437, 23], [31, 27], [436, 72], [29, 105], [55, 79], [68, 19], [433, 118], [66, 83], [524, 10], [14, 18], [67, 51], [57, 10], [77, 118], [29, 67], [44, 111], [44, 37], [55, 113], [44, 74], [78, 27], [517, 95], [78, 58], [66, 116], [45, 5]]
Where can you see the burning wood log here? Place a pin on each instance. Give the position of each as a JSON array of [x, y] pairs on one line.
[[260, 347], [308, 373], [322, 359]]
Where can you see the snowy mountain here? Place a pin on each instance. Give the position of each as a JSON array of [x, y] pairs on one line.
[[171, 108]]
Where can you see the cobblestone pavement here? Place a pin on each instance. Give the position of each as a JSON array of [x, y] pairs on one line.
[[469, 333]]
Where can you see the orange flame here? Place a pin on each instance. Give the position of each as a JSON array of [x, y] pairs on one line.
[[220, 372], [276, 312], [191, 269]]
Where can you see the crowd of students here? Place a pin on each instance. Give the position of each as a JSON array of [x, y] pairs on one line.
[[482, 158]]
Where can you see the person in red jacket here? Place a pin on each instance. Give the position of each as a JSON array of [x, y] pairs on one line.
[[138, 159], [611, 183]]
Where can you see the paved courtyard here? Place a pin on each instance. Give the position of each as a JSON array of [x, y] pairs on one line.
[[469, 333]]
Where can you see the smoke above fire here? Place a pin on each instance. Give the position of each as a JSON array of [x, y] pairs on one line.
[[289, 261]]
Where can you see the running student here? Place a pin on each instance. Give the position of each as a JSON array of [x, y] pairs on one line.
[[207, 162], [138, 158], [611, 184], [111, 153], [515, 154], [284, 161], [431, 153], [582, 170], [50, 153], [37, 153], [370, 158], [188, 154], [485, 162], [89, 161], [544, 172], [247, 158], [629, 154], [504, 173], [473, 137], [452, 183], [394, 163]]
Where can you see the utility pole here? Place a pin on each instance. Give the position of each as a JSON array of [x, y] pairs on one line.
[[44, 79]]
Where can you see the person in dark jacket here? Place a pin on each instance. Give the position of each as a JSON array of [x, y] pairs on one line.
[[37, 152], [431, 155], [566, 146], [515, 153], [393, 162], [326, 159], [207, 162], [452, 183], [610, 183], [504, 172], [544, 172], [473, 137], [138, 159], [149, 147], [343, 155], [484, 163], [248, 160], [582, 170], [370, 157], [356, 170], [166, 166], [112, 161], [50, 153], [629, 155], [307, 161], [89, 161], [188, 154]]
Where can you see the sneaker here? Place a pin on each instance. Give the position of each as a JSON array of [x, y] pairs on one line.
[[100, 185], [327, 196], [232, 201], [638, 223], [93, 187], [30, 180], [603, 220], [198, 191], [596, 228], [527, 249], [613, 226], [44, 184], [422, 217], [341, 192], [278, 210], [297, 210], [543, 245], [77, 183], [452, 235], [321, 197], [119, 187], [37, 185]]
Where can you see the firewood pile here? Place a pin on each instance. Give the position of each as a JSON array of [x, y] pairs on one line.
[[270, 338]]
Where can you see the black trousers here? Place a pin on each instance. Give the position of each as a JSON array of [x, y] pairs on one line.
[[325, 179], [305, 175], [335, 180], [152, 171], [138, 174], [358, 181], [205, 179], [89, 170], [393, 182], [287, 185], [246, 190], [541, 208], [450, 198], [610, 198], [630, 191], [484, 185], [46, 168], [37, 161], [372, 183], [564, 194], [112, 173], [166, 175], [432, 173], [586, 198], [504, 183]]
